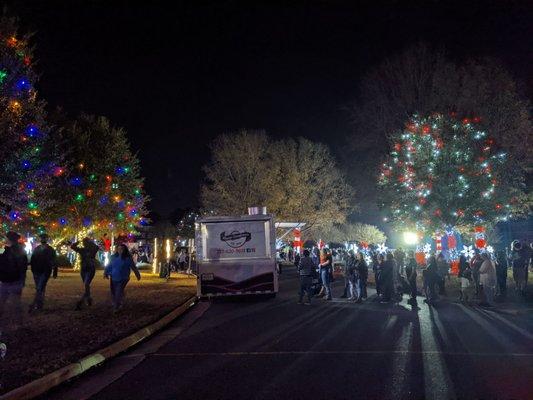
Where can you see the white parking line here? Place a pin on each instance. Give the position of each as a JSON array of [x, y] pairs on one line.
[[343, 352]]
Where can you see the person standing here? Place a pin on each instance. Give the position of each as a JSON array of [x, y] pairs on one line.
[[352, 275], [487, 278], [43, 262], [326, 265], [389, 266], [501, 273], [87, 254], [306, 270], [520, 260], [349, 262], [465, 275], [475, 264], [182, 261], [13, 267], [119, 268], [431, 280], [443, 270], [377, 266], [411, 273], [362, 267], [399, 256]]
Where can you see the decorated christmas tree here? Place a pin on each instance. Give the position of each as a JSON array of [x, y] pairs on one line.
[[444, 172], [23, 174], [98, 187]]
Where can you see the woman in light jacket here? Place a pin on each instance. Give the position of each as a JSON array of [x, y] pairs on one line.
[[119, 268], [487, 278]]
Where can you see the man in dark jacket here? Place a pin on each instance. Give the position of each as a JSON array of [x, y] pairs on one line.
[[43, 261], [13, 266], [306, 270], [88, 268]]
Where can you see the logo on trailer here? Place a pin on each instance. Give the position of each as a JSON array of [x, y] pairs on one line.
[[235, 239]]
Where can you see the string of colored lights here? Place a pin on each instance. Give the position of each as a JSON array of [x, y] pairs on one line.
[[444, 172]]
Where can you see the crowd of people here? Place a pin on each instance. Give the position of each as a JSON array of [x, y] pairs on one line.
[[483, 278], [14, 263]]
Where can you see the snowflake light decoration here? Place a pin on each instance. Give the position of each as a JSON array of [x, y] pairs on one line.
[[490, 249], [468, 251], [382, 248]]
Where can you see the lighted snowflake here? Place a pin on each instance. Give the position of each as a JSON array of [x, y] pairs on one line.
[[368, 259], [490, 249], [382, 248], [468, 251]]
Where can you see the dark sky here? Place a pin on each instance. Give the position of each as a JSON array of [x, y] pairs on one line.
[[175, 76]]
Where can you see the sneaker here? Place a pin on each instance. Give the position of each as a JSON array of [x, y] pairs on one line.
[[89, 301], [299, 302], [307, 303]]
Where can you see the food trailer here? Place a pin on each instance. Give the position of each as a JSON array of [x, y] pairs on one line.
[[236, 256]]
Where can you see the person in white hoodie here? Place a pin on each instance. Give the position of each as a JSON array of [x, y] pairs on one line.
[[487, 278]]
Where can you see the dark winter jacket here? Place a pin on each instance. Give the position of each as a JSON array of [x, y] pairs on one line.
[[13, 264], [87, 255], [306, 267], [43, 259], [410, 269], [351, 268], [362, 268]]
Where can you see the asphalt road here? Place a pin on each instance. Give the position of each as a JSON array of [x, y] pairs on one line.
[[330, 350]]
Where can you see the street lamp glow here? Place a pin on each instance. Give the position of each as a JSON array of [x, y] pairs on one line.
[[410, 238]]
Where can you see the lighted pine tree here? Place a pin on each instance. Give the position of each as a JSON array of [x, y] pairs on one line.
[[22, 131], [99, 187], [446, 172]]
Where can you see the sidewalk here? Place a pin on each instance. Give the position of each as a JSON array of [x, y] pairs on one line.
[[59, 335]]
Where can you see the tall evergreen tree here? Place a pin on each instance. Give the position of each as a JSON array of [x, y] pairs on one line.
[[98, 187], [444, 172], [23, 174]]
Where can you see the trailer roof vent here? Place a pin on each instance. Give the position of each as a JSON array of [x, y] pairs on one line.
[[257, 210]]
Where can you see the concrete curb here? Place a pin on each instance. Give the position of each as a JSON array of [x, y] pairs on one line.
[[42, 385]]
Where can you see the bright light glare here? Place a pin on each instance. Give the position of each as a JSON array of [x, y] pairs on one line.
[[410, 238]]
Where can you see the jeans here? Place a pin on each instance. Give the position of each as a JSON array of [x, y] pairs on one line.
[[87, 276], [355, 288], [412, 286], [346, 286], [13, 290], [489, 294], [117, 292], [305, 287], [363, 287], [40, 279], [326, 281]]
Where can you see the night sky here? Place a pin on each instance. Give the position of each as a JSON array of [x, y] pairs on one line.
[[175, 77]]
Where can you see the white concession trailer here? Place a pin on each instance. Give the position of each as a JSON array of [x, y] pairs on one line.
[[236, 255]]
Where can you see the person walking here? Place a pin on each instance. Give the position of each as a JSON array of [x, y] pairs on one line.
[[465, 275], [487, 279], [119, 268], [326, 265], [13, 267], [362, 267], [501, 274], [411, 273], [306, 271], [87, 254], [43, 262]]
